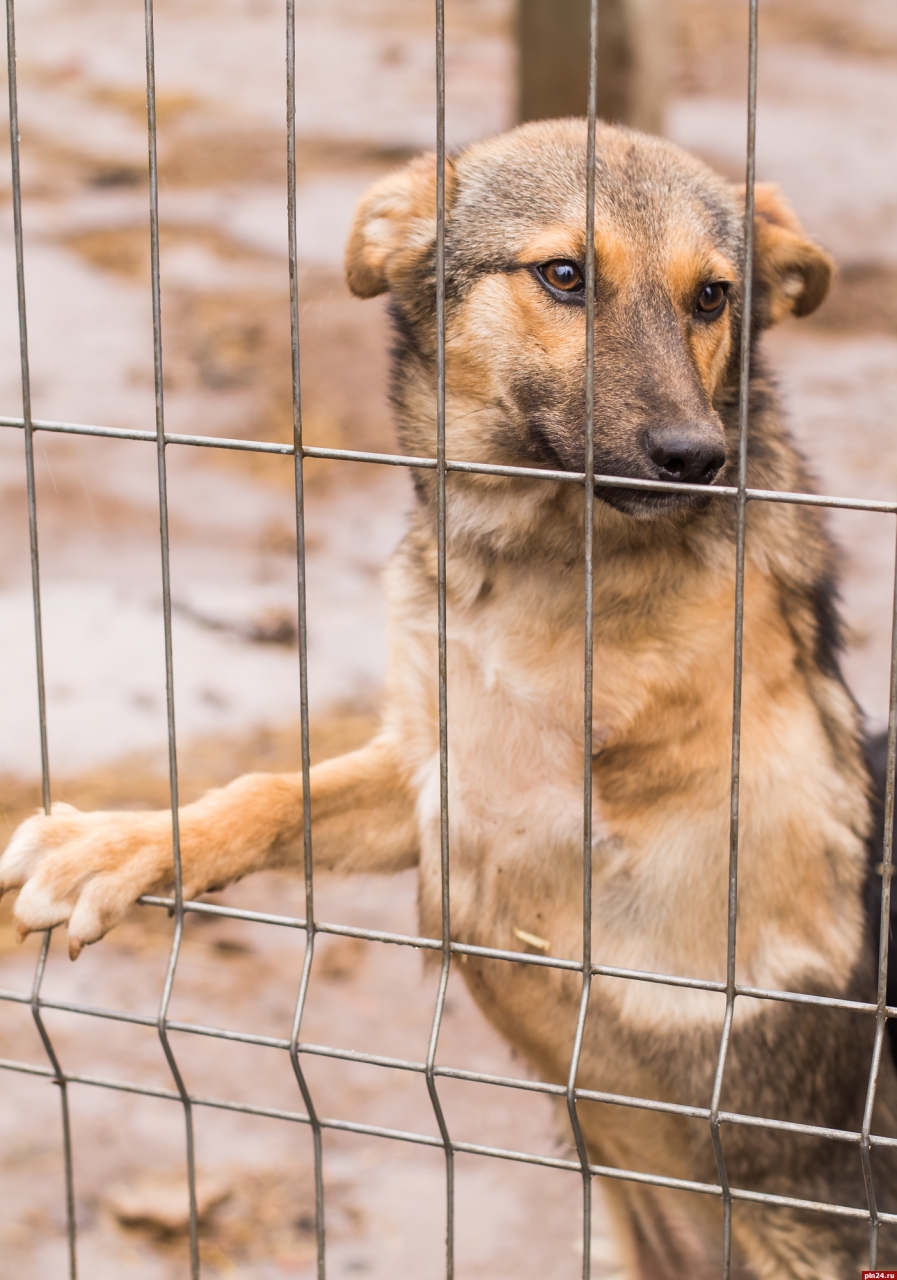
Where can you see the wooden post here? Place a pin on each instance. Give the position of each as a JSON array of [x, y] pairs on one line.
[[633, 60]]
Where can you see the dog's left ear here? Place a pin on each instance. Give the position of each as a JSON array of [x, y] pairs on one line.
[[795, 271]]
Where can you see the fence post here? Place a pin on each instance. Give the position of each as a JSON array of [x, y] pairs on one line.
[[633, 60]]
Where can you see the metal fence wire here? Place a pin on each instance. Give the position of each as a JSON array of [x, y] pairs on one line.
[[432, 1070]]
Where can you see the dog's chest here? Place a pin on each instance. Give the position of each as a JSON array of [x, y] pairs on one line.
[[516, 821], [661, 719], [516, 792]]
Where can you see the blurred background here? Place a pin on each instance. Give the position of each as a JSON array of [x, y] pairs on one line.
[[365, 85]]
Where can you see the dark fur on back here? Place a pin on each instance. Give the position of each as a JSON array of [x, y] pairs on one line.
[[876, 752]]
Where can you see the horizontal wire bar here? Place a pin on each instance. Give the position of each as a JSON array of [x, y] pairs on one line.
[[99, 1082], [369, 935], [464, 1148], [451, 1073], [801, 1130], [802, 997], [296, 922], [471, 468], [87, 1010], [520, 957]]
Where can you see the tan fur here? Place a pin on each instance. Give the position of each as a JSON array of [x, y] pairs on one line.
[[662, 708], [398, 220], [800, 272]]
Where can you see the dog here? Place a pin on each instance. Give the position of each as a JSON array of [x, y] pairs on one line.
[[669, 315]]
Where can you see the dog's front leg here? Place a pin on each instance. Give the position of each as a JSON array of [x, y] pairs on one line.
[[87, 868]]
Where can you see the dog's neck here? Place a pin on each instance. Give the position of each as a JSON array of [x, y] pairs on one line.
[[536, 527]]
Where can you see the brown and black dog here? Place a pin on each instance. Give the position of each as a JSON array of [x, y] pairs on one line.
[[669, 316]]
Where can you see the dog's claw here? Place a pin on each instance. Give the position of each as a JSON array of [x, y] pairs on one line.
[[22, 932], [75, 947]]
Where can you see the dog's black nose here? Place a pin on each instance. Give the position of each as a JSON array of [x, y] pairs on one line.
[[689, 457]]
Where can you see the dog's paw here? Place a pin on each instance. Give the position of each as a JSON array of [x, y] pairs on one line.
[[84, 868]]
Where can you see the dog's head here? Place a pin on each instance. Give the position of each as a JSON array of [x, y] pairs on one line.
[[669, 296]]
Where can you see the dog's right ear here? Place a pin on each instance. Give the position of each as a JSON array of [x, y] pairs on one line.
[[395, 225]]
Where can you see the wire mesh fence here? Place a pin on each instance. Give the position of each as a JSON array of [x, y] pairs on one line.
[[445, 947]]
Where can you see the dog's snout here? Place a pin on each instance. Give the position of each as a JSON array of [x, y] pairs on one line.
[[690, 457]]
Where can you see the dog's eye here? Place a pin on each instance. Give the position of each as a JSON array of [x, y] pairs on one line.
[[563, 275], [712, 299]]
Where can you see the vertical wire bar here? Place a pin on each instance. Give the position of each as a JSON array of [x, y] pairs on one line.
[[26, 394], [880, 1016], [442, 656], [60, 1080], [169, 656], [588, 557], [299, 479], [741, 525]]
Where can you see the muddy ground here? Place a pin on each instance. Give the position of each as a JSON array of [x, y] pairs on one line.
[[828, 97]]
